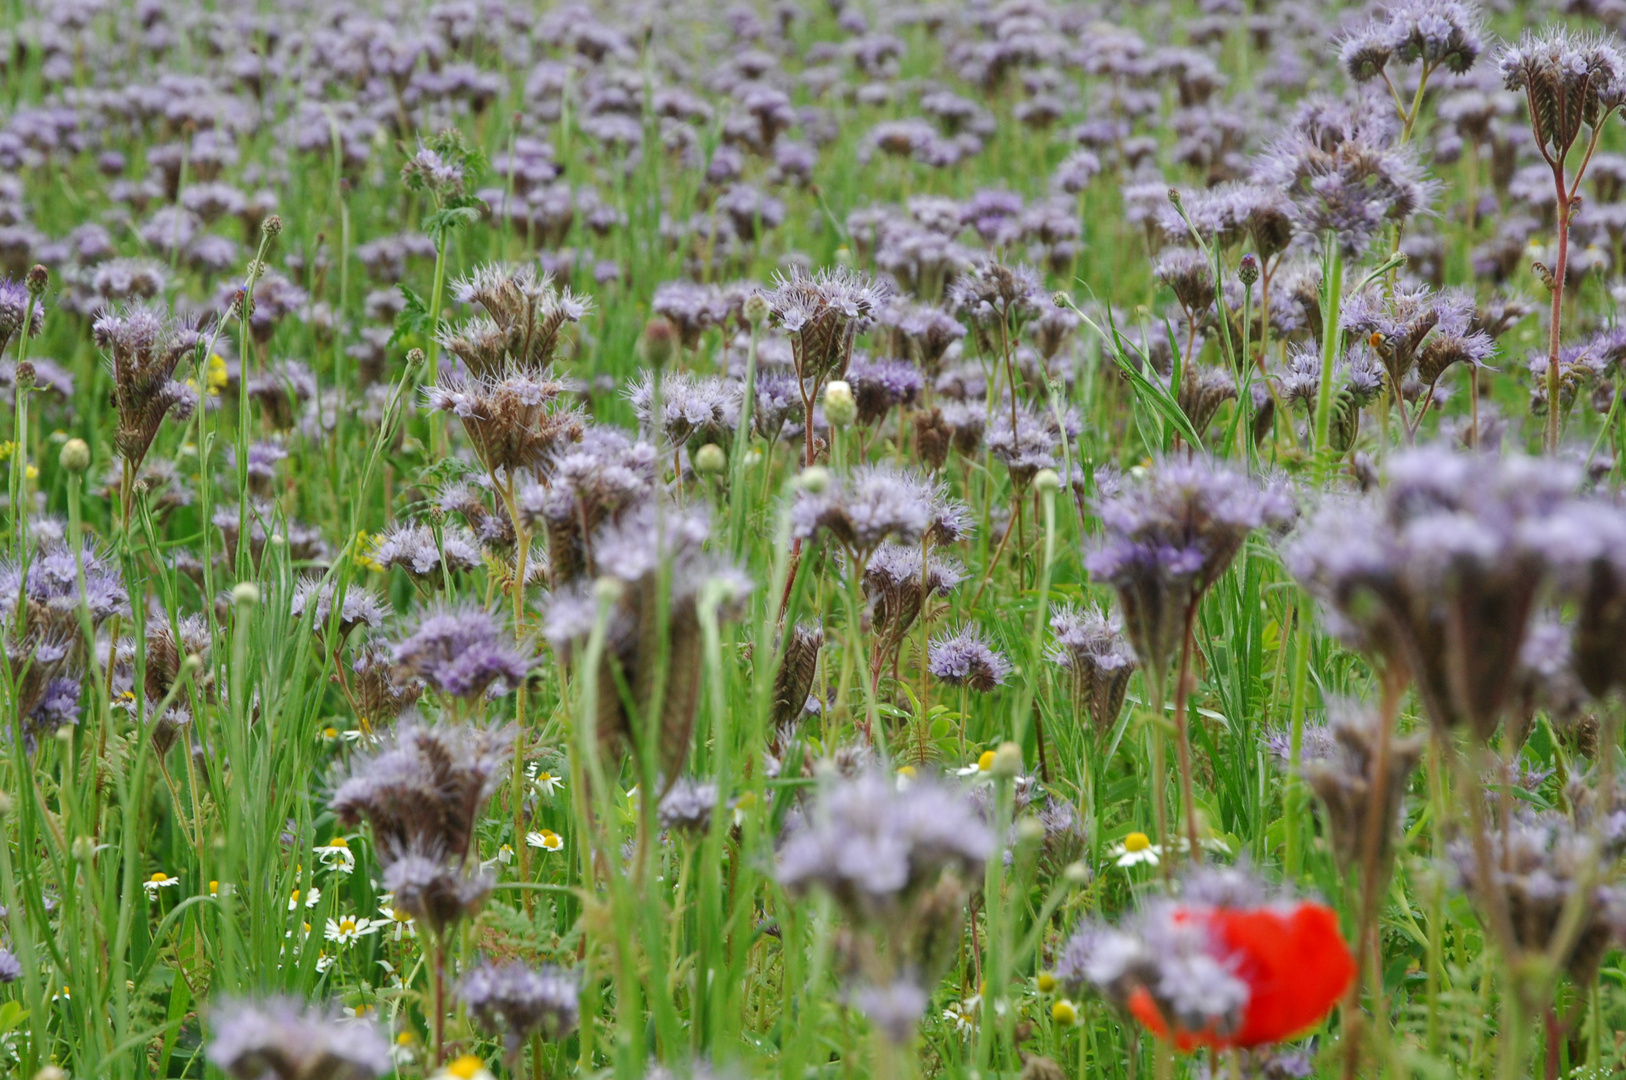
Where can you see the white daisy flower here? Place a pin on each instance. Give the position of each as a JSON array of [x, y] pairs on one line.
[[984, 763], [467, 1067], [336, 855], [547, 785], [400, 923], [1137, 849], [343, 931], [546, 839], [160, 880]]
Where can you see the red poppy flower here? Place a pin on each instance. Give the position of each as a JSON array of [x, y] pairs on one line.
[[1293, 959]]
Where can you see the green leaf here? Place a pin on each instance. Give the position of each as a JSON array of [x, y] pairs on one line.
[[413, 322], [1149, 390], [458, 213]]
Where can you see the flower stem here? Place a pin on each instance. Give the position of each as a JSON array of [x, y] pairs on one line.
[[1560, 269], [1182, 737], [1332, 290]]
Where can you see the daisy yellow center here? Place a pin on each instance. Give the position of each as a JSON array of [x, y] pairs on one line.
[[347, 926], [907, 770], [399, 916], [160, 877], [1063, 1012], [466, 1067], [1137, 841], [338, 842], [986, 760], [214, 887], [404, 1039]]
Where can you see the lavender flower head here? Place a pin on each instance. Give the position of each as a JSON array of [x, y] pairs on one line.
[[461, 652], [880, 386], [1569, 79], [1091, 648], [14, 312], [1438, 574], [873, 846], [898, 581], [516, 1001], [1344, 175], [822, 313], [412, 547], [966, 658], [283, 1039], [143, 349], [513, 417], [869, 505], [424, 790], [1540, 863], [687, 806], [895, 1008], [1433, 33], [1589, 561], [439, 893], [1169, 535], [694, 408], [1341, 767], [315, 597], [526, 315]]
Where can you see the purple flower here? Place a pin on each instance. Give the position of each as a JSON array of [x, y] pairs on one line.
[[143, 349], [513, 418], [412, 547], [1091, 648], [871, 504], [822, 313], [882, 385], [515, 1001], [966, 658], [423, 792], [461, 652], [282, 1038], [1167, 537], [1569, 79], [1438, 574], [873, 846], [895, 1008]]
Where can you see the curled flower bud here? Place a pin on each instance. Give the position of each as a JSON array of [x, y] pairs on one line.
[[38, 279], [272, 225]]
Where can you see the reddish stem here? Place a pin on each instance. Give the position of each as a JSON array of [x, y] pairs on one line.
[[1560, 269]]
